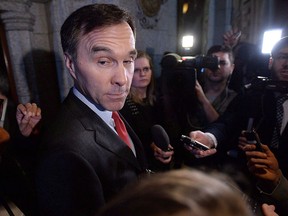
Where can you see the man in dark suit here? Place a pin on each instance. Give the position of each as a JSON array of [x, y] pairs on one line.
[[83, 162], [260, 105]]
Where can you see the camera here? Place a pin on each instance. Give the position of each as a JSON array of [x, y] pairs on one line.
[[180, 74], [264, 83], [177, 63]]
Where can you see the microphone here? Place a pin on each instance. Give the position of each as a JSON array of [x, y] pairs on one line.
[[160, 137]]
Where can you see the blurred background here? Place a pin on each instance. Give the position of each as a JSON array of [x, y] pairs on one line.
[[31, 56]]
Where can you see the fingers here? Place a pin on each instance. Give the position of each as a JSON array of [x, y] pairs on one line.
[[232, 37], [21, 108], [163, 156], [32, 109], [269, 210], [199, 153], [27, 110]]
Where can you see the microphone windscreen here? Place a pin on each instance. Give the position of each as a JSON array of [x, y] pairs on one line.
[[160, 137]]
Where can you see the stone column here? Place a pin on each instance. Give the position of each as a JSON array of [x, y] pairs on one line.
[[18, 24]]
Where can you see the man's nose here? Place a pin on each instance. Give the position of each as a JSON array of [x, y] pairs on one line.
[[120, 76]]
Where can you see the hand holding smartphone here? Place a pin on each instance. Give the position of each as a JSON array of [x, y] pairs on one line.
[[252, 136], [193, 143]]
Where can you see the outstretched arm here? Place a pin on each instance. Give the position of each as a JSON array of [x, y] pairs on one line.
[[210, 112]]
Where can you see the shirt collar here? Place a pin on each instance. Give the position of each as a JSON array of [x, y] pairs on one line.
[[105, 115]]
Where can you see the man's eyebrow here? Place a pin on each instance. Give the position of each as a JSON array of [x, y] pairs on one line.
[[100, 48], [282, 53], [106, 49], [133, 53]]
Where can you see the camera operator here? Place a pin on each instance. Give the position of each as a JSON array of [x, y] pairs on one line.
[[261, 106], [213, 94]]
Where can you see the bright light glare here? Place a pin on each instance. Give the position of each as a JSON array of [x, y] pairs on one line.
[[269, 39], [187, 41]]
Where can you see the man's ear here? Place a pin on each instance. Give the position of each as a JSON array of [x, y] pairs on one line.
[[232, 68], [70, 64], [270, 63]]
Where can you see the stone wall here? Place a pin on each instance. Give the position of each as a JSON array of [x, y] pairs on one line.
[[32, 35]]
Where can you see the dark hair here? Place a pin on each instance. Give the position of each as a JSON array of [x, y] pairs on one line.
[[89, 18], [283, 42], [221, 48]]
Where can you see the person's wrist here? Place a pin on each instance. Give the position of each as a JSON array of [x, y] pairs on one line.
[[277, 178], [212, 140]]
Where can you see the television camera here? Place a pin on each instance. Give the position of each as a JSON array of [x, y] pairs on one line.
[[179, 74]]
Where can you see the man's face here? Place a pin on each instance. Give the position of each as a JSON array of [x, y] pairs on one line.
[[104, 66], [280, 65], [225, 70]]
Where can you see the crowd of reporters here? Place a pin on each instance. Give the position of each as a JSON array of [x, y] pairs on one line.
[[215, 113]]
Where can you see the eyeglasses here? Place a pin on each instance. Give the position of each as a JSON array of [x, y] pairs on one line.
[[145, 69]]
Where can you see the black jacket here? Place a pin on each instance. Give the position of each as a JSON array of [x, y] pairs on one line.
[[83, 163]]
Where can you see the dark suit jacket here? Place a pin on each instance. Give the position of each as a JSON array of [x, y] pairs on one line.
[[83, 163], [261, 106]]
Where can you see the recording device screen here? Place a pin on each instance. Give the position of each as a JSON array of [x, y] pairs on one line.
[[193, 143], [251, 135], [3, 108]]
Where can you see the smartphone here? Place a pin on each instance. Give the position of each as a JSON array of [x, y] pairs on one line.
[[3, 108], [193, 143], [252, 136]]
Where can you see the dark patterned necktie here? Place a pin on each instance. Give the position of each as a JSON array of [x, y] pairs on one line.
[[120, 128], [279, 118]]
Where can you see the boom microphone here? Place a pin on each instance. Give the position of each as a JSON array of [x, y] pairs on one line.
[[160, 137]]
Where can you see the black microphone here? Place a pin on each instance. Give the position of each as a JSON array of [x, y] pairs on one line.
[[160, 137]]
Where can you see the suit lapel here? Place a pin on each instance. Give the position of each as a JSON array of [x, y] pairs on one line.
[[105, 136]]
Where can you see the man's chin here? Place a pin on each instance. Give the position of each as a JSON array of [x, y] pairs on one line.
[[115, 106]]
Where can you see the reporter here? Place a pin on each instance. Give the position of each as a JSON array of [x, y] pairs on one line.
[[141, 110]]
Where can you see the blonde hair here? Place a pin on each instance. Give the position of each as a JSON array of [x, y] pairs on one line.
[[185, 191], [133, 94]]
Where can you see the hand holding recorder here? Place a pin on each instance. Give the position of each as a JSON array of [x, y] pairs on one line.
[[199, 144], [250, 136], [263, 165]]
